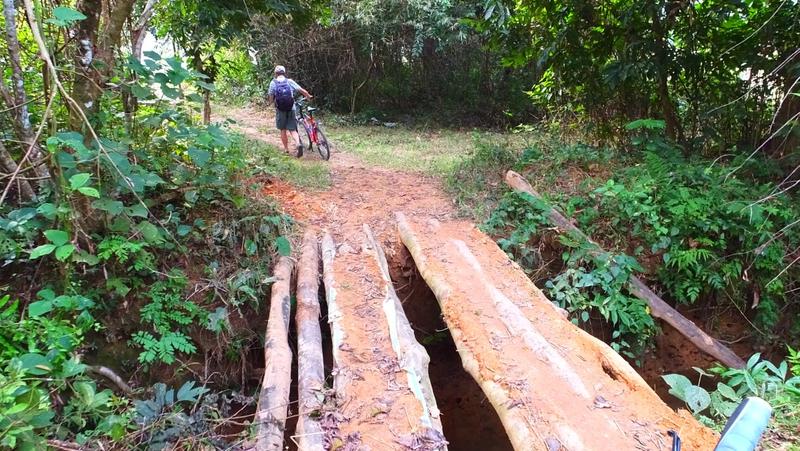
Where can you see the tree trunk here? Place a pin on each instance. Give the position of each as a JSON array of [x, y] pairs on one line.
[[674, 129], [658, 307], [26, 192], [273, 401], [310, 366], [138, 33], [22, 117], [206, 106], [98, 38], [788, 140]]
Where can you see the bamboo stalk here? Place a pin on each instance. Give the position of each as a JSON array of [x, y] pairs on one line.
[[310, 366], [658, 307], [273, 401]]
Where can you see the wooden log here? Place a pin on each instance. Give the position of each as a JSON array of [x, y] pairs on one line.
[[310, 366], [412, 356], [334, 312], [519, 432], [658, 307], [273, 400]]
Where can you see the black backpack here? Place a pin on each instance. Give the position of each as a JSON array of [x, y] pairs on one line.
[[284, 97]]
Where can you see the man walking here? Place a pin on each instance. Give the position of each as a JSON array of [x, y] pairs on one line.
[[282, 91]]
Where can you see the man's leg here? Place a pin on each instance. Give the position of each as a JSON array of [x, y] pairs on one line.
[[280, 124], [291, 125], [285, 140]]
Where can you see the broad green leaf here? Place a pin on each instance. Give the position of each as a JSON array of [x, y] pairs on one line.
[[199, 156], [697, 398], [79, 180], [149, 232], [63, 252], [15, 409], [284, 246], [141, 92], [190, 196], [36, 364], [110, 206], [188, 392], [170, 92], [678, 384], [39, 308], [137, 210], [64, 16], [57, 237], [152, 55], [42, 250], [184, 229], [206, 86], [727, 391], [47, 210], [89, 191]]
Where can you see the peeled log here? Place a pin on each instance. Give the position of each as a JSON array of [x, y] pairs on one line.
[[273, 401], [334, 312], [310, 367], [412, 356], [658, 307]]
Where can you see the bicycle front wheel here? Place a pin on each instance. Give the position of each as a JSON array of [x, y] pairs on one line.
[[323, 147]]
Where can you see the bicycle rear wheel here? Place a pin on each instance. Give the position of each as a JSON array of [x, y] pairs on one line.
[[323, 147]]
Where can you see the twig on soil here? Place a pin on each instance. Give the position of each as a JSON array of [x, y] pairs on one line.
[[112, 376]]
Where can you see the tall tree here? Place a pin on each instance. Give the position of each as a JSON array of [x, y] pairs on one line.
[[19, 107], [202, 27], [98, 38]]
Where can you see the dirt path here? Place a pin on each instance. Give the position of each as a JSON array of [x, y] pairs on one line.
[[359, 194]]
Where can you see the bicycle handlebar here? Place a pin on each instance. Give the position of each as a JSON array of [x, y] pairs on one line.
[[744, 428]]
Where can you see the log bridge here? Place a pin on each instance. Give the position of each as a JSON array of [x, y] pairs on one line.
[[552, 385]]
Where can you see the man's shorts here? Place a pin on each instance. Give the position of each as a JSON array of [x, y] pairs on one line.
[[285, 120]]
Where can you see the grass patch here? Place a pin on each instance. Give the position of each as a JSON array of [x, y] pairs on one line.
[[434, 152], [303, 173], [476, 183]]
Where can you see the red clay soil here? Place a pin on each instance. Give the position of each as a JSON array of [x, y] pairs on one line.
[[368, 195], [359, 194]]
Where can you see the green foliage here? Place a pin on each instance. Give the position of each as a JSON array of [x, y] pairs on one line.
[[155, 191], [168, 314], [36, 359], [395, 57], [472, 182], [705, 234], [611, 61], [758, 378], [590, 282]]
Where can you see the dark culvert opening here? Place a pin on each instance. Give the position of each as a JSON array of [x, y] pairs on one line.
[[468, 418]]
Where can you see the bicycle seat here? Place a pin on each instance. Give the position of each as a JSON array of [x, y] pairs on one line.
[[311, 109]]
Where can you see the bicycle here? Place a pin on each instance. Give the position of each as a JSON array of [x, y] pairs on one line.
[[313, 129]]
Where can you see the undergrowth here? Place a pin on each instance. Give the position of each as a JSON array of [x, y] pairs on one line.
[[696, 229], [146, 242], [718, 391]]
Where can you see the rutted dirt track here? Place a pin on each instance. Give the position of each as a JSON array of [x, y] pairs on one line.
[[553, 386]]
